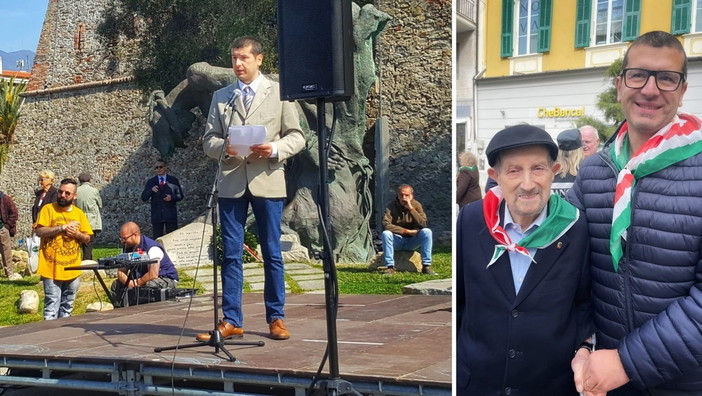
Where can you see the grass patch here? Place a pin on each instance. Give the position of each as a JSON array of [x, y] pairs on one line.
[[353, 279], [89, 292], [360, 280]]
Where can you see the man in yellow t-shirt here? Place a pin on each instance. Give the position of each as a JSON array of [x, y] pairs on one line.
[[62, 227]]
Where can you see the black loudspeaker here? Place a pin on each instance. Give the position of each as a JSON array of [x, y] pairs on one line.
[[315, 49]]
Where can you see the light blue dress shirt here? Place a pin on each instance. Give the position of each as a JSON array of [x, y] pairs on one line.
[[519, 262]]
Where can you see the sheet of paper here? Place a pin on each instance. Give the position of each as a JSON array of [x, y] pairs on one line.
[[241, 137]]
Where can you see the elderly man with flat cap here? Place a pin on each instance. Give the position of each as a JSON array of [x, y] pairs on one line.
[[522, 281]]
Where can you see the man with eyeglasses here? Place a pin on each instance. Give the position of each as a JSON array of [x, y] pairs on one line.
[[164, 191], [159, 275], [642, 198], [62, 227]]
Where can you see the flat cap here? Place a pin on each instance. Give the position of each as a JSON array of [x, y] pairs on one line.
[[519, 136], [569, 140], [84, 177]]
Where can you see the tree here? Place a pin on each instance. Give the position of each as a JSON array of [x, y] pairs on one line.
[[10, 106], [608, 104], [171, 35]]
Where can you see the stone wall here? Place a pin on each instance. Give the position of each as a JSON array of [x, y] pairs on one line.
[[103, 129], [68, 127], [70, 51], [414, 93]]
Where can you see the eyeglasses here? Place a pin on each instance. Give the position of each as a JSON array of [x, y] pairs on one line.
[[666, 80], [123, 239], [63, 192], [158, 167]]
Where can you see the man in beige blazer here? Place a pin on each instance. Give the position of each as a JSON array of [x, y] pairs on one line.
[[257, 179]]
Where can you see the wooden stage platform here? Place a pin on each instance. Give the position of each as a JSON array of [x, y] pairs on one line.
[[388, 345]]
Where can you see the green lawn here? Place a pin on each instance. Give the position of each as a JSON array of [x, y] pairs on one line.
[[360, 280], [353, 279]]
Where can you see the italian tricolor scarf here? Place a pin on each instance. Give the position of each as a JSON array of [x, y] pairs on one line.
[[561, 217], [679, 140]]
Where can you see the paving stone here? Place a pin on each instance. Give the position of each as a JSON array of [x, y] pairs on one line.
[[293, 266], [305, 271], [299, 278], [431, 287], [311, 285]]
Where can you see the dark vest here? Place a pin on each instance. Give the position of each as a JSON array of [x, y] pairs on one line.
[[166, 269]]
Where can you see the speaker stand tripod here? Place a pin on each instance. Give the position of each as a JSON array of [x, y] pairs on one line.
[[334, 385], [216, 339]]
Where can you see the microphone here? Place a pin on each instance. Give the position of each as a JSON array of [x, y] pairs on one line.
[[232, 99]]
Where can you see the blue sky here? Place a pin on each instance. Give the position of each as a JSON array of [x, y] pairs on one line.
[[21, 24]]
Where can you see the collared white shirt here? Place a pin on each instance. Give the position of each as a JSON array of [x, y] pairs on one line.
[[253, 85], [519, 262]]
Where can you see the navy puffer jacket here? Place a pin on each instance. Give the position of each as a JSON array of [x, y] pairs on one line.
[[651, 309]]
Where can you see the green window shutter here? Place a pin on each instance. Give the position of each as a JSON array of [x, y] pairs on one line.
[[545, 26], [582, 23], [507, 25], [632, 17], [681, 17]]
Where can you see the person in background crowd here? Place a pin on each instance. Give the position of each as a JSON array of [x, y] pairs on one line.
[[570, 155], [591, 140], [405, 224], [8, 227], [160, 275], [89, 201], [62, 227], [46, 193], [164, 191], [468, 181]]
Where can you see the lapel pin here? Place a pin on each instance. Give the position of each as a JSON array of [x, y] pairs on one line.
[[559, 245]]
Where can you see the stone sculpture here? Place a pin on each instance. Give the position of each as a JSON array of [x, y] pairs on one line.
[[171, 118]]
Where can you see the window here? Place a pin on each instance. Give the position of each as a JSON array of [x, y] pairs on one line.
[[527, 26], [531, 21], [614, 21], [687, 16], [609, 15]]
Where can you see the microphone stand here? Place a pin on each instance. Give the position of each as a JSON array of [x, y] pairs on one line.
[[216, 339], [334, 385]]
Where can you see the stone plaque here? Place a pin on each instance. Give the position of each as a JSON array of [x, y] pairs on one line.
[[188, 244]]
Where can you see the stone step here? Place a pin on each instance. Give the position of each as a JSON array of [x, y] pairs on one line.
[[308, 278]]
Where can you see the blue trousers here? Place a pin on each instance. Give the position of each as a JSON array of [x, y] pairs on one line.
[[393, 242], [59, 297], [268, 213]]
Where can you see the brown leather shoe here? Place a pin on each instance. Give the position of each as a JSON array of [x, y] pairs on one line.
[[278, 330], [225, 328]]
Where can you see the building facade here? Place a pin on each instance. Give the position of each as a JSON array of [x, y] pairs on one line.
[[466, 44]]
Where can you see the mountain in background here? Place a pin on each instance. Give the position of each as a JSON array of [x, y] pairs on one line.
[[10, 59]]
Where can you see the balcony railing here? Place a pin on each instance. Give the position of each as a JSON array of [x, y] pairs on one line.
[[466, 8]]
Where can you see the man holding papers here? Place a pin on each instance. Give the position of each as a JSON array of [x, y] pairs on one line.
[[256, 178]]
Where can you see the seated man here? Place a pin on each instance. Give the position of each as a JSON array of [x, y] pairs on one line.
[[159, 275], [405, 226]]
